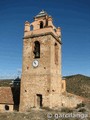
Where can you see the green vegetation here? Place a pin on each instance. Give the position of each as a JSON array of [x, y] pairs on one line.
[[82, 110], [78, 84], [80, 105]]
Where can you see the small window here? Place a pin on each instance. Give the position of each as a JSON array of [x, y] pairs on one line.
[[31, 27], [6, 107], [41, 24], [56, 53], [25, 90], [62, 86], [55, 30], [62, 104], [37, 50]]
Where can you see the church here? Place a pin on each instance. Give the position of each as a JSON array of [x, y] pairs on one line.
[[41, 80]]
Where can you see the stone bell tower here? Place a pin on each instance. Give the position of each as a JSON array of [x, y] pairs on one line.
[[41, 69]]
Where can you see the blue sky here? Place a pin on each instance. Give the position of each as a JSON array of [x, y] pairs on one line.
[[73, 16]]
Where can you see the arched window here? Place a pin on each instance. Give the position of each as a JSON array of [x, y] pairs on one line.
[[55, 30], [56, 53], [41, 24], [46, 22], [62, 86], [37, 49], [31, 27]]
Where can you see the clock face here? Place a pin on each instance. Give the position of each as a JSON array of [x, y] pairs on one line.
[[35, 63]]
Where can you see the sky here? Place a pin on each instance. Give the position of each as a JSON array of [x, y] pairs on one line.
[[72, 16]]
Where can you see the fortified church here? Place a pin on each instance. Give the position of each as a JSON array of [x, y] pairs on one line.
[[41, 80]]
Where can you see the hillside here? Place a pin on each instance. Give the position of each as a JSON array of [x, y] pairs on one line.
[[5, 82], [78, 84]]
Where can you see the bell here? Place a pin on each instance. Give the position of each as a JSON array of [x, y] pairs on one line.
[[37, 54]]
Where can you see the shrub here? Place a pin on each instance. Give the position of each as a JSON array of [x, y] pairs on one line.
[[80, 105], [68, 110], [82, 110]]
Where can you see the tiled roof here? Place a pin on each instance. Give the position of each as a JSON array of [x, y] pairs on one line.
[[6, 96]]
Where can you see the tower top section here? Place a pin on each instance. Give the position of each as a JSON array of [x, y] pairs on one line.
[[42, 25], [41, 14]]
